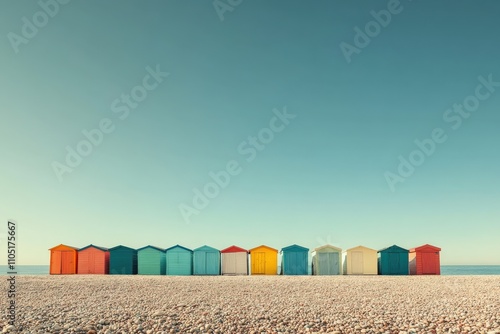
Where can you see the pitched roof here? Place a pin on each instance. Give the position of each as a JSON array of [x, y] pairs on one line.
[[426, 247], [234, 249], [350, 249], [393, 247], [205, 247], [178, 246], [104, 249], [121, 246], [154, 247], [327, 247], [294, 246], [263, 246], [63, 246]]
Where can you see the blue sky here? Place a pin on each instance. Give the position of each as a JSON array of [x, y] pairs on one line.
[[322, 178]]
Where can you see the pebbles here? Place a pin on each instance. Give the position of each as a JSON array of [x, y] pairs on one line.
[[256, 304]]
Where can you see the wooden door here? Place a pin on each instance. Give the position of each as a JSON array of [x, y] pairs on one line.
[[333, 259], [212, 263], [428, 264], [55, 263], [323, 264], [394, 263], [229, 263], [67, 263], [92, 263], [357, 263], [260, 263]]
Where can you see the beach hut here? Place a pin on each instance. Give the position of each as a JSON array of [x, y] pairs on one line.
[[360, 261], [122, 260], [234, 261], [424, 260], [63, 260], [327, 260], [264, 260], [151, 260], [294, 260], [93, 260], [206, 261], [393, 261], [179, 260]]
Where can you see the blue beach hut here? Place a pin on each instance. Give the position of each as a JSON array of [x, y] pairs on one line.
[[294, 260], [179, 260], [206, 261]]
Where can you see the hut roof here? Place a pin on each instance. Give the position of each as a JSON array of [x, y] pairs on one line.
[[233, 249]]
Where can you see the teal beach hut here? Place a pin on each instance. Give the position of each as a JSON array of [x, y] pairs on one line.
[[151, 261], [206, 261], [122, 260], [179, 261], [294, 260], [393, 261]]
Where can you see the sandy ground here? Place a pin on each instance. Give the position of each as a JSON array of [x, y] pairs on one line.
[[253, 304]]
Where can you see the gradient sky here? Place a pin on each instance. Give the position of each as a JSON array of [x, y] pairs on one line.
[[321, 180]]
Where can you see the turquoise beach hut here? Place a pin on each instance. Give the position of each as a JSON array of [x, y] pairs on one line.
[[179, 261], [206, 261], [122, 260], [294, 260], [151, 261], [393, 260]]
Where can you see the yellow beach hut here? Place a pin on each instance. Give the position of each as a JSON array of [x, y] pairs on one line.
[[264, 260], [360, 261]]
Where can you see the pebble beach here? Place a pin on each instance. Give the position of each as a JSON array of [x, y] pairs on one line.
[[255, 304]]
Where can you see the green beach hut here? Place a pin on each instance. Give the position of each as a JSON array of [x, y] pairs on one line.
[[393, 260], [206, 261], [122, 260], [179, 261], [151, 261]]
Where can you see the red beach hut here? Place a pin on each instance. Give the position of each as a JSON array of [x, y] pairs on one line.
[[63, 260], [424, 260], [93, 260]]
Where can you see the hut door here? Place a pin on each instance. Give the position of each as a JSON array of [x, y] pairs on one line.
[[55, 263], [260, 263], [357, 263], [394, 263], [323, 263], [428, 266], [211, 263], [67, 263], [229, 263], [184, 263], [333, 259], [91, 263]]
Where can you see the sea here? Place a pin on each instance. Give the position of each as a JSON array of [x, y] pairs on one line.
[[445, 270]]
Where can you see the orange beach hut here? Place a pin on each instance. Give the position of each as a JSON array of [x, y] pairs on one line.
[[63, 260], [93, 260]]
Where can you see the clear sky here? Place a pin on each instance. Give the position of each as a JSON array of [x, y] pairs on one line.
[[324, 171]]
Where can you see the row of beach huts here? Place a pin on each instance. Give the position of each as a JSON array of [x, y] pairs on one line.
[[234, 260]]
